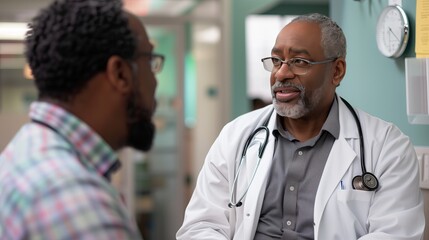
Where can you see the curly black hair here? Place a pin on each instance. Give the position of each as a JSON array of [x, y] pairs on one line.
[[71, 40]]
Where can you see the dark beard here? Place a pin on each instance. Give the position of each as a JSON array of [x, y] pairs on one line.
[[141, 130], [141, 134]]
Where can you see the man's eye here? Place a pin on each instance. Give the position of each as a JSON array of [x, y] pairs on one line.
[[299, 62], [276, 61]]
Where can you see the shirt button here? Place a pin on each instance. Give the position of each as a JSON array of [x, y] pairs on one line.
[[288, 223], [291, 188], [300, 153], [248, 214]]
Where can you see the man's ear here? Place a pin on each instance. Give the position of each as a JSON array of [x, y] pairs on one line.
[[119, 74], [339, 71]]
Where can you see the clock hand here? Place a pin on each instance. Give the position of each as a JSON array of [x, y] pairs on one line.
[[390, 30]]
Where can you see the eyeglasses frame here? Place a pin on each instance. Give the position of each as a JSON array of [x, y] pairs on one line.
[[157, 67], [292, 59]]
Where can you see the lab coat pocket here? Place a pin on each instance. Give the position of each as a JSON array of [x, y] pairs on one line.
[[355, 204], [354, 196]]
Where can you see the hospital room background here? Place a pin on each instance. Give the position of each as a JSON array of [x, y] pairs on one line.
[[212, 74]]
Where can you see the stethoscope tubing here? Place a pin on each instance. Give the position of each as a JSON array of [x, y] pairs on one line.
[[359, 127], [367, 181], [232, 202]]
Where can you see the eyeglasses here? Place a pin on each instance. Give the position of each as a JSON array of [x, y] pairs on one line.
[[298, 66], [156, 61]]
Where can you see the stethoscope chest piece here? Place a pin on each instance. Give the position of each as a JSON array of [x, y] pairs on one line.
[[367, 182]]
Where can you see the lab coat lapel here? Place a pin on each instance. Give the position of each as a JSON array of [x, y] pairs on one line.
[[337, 164], [255, 195]]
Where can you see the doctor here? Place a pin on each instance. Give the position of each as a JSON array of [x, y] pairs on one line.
[[310, 182]]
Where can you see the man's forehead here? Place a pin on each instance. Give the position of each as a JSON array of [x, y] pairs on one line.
[[301, 27], [298, 38], [300, 32]]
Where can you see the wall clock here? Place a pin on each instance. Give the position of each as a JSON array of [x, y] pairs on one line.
[[392, 31]]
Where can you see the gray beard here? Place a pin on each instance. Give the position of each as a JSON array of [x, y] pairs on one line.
[[301, 108], [296, 111]]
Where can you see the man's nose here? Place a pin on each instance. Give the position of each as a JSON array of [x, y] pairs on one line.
[[284, 72]]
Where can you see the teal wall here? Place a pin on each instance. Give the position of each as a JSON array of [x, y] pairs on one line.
[[373, 82]]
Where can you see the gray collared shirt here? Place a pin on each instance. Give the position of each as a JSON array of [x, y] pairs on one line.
[[287, 210]]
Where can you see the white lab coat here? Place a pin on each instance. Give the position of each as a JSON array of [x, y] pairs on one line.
[[394, 211]]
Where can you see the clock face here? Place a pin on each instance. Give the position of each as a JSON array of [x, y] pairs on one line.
[[392, 31]]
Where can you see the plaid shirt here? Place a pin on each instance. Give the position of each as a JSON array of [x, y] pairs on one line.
[[54, 182]]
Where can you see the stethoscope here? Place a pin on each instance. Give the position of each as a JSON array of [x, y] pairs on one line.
[[367, 181]]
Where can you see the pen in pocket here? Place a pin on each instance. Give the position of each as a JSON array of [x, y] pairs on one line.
[[342, 185]]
